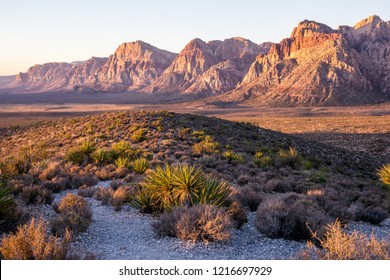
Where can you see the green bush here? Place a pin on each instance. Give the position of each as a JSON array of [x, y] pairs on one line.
[[75, 156], [140, 165], [206, 146], [100, 156]]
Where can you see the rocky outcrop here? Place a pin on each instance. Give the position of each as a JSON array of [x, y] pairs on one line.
[[132, 66], [208, 68], [319, 66]]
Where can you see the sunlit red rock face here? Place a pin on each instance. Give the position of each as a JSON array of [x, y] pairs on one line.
[[321, 66], [315, 66]]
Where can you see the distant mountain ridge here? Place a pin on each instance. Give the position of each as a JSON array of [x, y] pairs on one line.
[[315, 66]]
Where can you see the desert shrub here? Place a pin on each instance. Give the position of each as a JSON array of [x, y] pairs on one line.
[[37, 195], [9, 169], [199, 135], [166, 223], [289, 158], [75, 215], [208, 161], [139, 135], [100, 156], [77, 181], [121, 195], [49, 170], [250, 198], [184, 132], [105, 195], [206, 146], [337, 244], [293, 217], [140, 165], [205, 223], [183, 185], [31, 242], [86, 191], [233, 157], [6, 198], [384, 174], [143, 201], [262, 160], [237, 214], [123, 162], [75, 156], [87, 147], [279, 186]]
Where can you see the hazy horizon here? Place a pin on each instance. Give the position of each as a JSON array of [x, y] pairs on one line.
[[56, 31]]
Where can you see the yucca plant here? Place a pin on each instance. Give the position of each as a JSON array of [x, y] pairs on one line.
[[87, 147], [183, 185], [233, 157], [206, 146], [144, 202], [186, 181], [212, 191], [6, 198], [158, 185], [100, 156], [140, 165], [384, 174], [75, 156], [123, 162], [123, 149], [263, 160]]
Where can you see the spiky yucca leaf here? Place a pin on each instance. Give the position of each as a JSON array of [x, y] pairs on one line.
[[100, 156], [384, 174], [140, 165], [74, 156], [159, 186], [187, 179], [87, 147], [6, 198], [213, 191], [123, 162]]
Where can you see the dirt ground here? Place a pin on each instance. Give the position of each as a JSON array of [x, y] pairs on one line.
[[363, 129]]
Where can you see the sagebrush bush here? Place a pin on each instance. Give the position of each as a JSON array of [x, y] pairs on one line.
[[208, 161], [140, 165], [105, 195], [237, 214], [384, 174], [37, 195], [32, 242], [292, 217], [250, 198], [120, 196], [206, 223], [336, 244], [75, 215]]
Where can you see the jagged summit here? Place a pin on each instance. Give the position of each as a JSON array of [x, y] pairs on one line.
[[315, 66], [307, 28]]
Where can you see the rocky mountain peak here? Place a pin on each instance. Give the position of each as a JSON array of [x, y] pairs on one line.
[[308, 28], [368, 24]]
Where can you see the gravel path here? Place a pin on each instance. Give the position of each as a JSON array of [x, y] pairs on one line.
[[127, 234]]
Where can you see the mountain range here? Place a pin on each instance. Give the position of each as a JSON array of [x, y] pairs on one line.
[[315, 66]]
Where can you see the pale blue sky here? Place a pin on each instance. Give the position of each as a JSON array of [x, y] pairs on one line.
[[40, 31]]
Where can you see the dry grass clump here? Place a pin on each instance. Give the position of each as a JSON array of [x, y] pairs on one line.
[[336, 244], [75, 215], [140, 165], [206, 223], [32, 242], [121, 195]]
